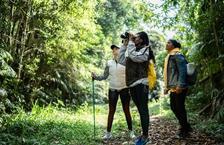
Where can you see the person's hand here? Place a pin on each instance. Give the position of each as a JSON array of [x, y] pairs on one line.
[[93, 75], [165, 91], [179, 90], [125, 42], [131, 37]]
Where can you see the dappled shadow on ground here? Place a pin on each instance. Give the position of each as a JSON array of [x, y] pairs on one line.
[[162, 132]]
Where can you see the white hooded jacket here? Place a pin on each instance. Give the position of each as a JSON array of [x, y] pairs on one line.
[[115, 73]]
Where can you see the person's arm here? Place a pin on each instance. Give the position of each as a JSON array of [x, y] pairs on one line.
[[103, 76], [137, 56], [122, 57], [182, 70]]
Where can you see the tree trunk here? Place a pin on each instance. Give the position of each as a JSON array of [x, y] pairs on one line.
[[23, 40]]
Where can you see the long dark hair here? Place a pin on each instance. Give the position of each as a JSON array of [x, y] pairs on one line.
[[151, 55], [144, 36]]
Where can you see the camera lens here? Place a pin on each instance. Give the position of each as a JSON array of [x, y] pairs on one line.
[[123, 36], [126, 34]]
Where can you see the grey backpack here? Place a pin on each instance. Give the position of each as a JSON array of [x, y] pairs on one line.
[[191, 73]]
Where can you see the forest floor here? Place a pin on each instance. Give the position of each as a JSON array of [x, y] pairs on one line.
[[59, 125], [162, 132], [163, 127]]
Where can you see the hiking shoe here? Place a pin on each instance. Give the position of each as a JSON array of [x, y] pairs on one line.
[[131, 134], [142, 141], [189, 128], [107, 136], [181, 134]]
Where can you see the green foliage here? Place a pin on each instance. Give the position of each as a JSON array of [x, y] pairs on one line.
[[212, 127], [59, 125], [48, 125], [220, 115], [50, 47], [5, 69], [160, 60]]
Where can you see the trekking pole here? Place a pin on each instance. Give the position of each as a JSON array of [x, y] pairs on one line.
[[94, 120]]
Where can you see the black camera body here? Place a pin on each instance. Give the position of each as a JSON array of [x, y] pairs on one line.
[[125, 35]]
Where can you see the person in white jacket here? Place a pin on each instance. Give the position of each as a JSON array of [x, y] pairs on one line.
[[115, 73]]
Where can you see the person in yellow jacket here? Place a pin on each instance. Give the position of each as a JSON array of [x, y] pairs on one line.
[[175, 79]]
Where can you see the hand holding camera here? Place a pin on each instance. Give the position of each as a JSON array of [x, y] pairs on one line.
[[126, 37]]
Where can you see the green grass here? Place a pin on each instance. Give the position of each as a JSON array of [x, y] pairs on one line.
[[213, 128], [47, 126], [63, 126], [54, 125]]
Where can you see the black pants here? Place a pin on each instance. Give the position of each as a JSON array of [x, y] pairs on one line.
[[177, 104], [125, 101], [139, 96]]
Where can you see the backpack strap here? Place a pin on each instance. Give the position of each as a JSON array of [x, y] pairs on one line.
[[176, 61], [182, 55]]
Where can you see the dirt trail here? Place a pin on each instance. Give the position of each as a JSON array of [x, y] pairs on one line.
[[162, 132]]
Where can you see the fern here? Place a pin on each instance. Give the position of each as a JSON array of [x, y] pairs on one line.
[[220, 115]]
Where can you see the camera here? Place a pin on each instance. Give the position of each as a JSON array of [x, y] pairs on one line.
[[125, 35]]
